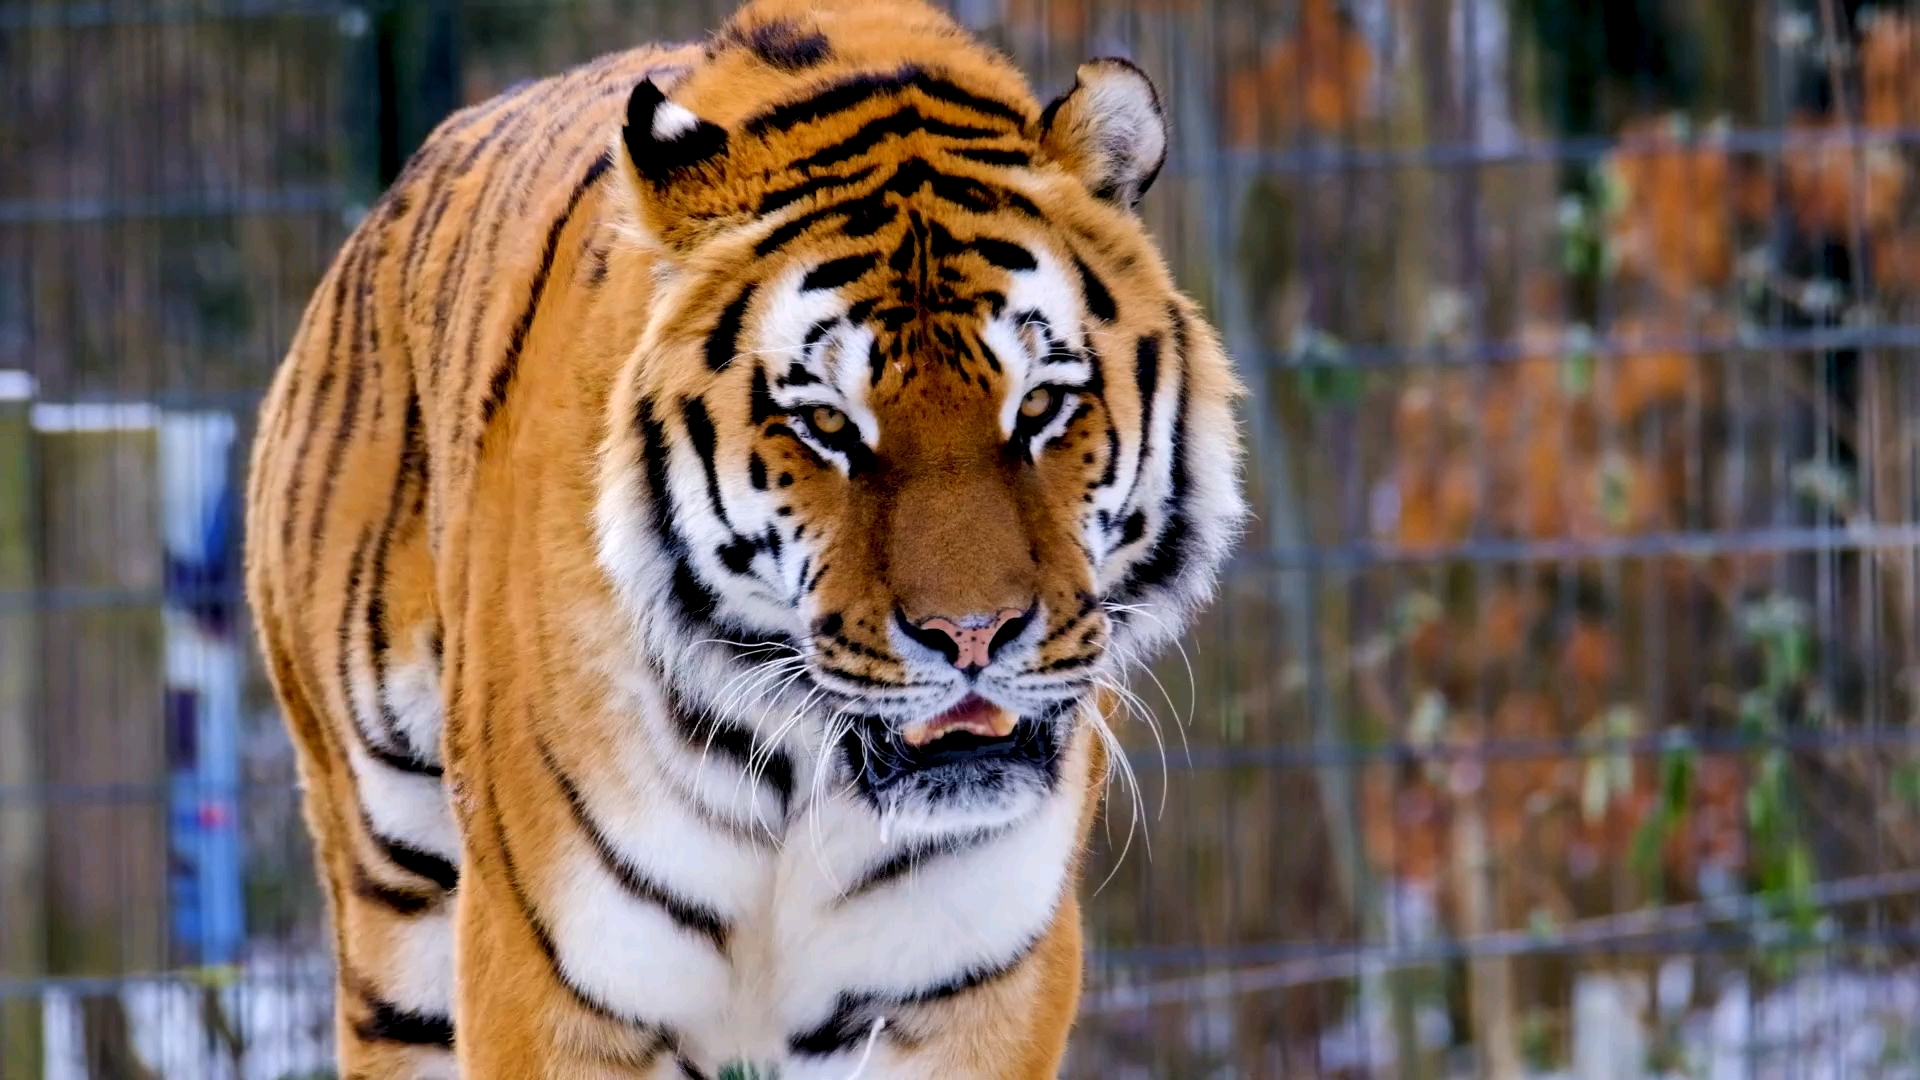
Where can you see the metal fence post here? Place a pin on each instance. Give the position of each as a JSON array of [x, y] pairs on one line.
[[106, 751], [23, 938]]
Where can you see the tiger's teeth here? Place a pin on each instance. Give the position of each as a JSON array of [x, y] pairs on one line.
[[992, 722]]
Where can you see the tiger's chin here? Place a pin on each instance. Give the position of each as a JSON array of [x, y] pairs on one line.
[[974, 766]]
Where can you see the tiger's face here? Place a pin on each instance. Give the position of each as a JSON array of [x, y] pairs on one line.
[[921, 444]]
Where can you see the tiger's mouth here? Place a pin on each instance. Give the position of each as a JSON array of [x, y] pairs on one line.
[[974, 715], [973, 744]]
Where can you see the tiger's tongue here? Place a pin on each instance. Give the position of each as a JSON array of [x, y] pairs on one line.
[[974, 714]]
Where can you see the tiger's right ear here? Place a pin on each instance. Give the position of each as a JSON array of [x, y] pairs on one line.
[[678, 160]]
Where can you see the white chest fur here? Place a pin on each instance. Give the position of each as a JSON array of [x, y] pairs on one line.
[[742, 945]]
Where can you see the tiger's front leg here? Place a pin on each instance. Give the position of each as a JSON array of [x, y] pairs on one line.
[[516, 1018]]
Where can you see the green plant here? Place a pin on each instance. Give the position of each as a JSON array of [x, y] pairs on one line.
[[1782, 858]]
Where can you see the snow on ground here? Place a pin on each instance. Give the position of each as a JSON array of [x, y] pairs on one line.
[[280, 1007]]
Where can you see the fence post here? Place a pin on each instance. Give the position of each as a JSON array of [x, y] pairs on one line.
[[106, 751], [23, 938]]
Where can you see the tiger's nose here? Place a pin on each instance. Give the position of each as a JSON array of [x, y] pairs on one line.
[[969, 642]]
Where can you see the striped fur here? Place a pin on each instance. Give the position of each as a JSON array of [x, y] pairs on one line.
[[614, 511]]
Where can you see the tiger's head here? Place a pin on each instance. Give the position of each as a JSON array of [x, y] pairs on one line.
[[921, 443]]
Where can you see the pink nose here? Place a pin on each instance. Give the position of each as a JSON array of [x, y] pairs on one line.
[[970, 641]]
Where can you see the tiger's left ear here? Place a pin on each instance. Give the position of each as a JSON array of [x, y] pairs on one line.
[[678, 162], [1109, 130]]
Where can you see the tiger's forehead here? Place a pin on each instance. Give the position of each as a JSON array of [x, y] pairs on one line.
[[774, 75], [805, 121], [928, 304]]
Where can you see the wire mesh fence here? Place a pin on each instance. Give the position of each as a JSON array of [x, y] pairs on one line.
[[1558, 715]]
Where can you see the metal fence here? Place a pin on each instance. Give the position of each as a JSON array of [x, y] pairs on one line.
[[1558, 717]]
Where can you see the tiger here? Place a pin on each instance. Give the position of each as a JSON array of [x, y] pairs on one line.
[[697, 536]]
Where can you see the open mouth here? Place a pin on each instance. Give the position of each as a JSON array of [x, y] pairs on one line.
[[974, 715], [970, 742]]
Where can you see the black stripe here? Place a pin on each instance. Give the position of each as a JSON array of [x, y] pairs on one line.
[[850, 93], [796, 375], [942, 90], [689, 915], [761, 405], [702, 730], [377, 749], [854, 1012], [427, 225], [399, 901], [322, 387], [696, 601], [412, 463], [864, 216], [830, 99], [505, 139], [1002, 253], [1111, 471], [787, 196], [1168, 556], [1099, 300], [422, 864], [917, 174], [386, 1022], [784, 44], [693, 412], [1146, 379], [542, 936], [906, 121], [345, 352], [987, 155], [837, 272], [912, 857], [506, 200], [517, 340], [723, 343]]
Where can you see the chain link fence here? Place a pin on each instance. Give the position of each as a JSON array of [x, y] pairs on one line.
[[1559, 715]]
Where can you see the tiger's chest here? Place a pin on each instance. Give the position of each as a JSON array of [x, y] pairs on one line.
[[790, 951]]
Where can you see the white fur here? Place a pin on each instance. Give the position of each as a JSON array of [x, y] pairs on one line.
[[671, 121], [408, 807], [420, 956], [1049, 290], [627, 953], [956, 914], [413, 693]]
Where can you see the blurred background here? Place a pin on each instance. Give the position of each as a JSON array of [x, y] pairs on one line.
[[1559, 715]]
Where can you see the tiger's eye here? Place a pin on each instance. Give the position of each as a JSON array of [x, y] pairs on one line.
[[828, 420], [1037, 402]]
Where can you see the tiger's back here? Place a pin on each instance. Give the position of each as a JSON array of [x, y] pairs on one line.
[[577, 580], [367, 449]]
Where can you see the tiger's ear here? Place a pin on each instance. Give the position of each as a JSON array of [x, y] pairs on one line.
[[677, 160], [1109, 130]]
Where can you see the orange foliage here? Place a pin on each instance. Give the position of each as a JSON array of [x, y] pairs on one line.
[[1672, 226], [1316, 78], [1896, 261], [1589, 655], [1650, 369], [1835, 185], [1527, 437], [1890, 72]]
